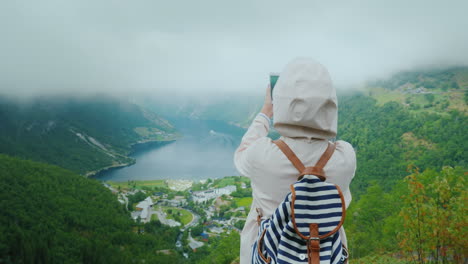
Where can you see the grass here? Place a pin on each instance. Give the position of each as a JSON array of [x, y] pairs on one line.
[[138, 184], [184, 215], [462, 79], [383, 259], [384, 96], [146, 131], [409, 138], [154, 217], [224, 182], [230, 180], [454, 99], [245, 201]]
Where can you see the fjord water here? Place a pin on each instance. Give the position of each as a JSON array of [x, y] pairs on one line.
[[205, 151]]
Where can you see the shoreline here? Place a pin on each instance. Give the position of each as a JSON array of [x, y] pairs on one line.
[[92, 174], [139, 146]]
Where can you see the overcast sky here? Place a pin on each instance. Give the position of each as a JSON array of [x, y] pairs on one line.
[[217, 46]]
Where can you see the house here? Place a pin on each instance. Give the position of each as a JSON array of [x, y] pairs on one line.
[[174, 203], [135, 215], [217, 230], [161, 194], [204, 235], [226, 190], [145, 208], [240, 209], [202, 196]]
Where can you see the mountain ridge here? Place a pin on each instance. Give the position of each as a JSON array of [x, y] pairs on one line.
[[432, 90], [94, 133]]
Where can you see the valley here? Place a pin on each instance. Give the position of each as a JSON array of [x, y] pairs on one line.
[[84, 135], [203, 210], [202, 143], [409, 132]]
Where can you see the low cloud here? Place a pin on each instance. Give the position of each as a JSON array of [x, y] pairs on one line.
[[188, 47]]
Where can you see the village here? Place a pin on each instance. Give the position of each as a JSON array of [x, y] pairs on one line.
[[199, 209]]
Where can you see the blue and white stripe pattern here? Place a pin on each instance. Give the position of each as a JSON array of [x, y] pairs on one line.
[[315, 202]]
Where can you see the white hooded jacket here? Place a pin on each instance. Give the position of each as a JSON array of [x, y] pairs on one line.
[[305, 115]]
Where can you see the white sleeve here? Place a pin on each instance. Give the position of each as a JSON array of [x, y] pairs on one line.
[[258, 129]]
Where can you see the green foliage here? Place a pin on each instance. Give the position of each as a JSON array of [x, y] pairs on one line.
[[430, 79], [387, 139], [82, 135], [423, 216], [197, 230], [198, 186], [434, 216], [154, 185], [383, 154], [374, 219], [244, 201], [241, 193], [429, 97], [180, 215], [240, 224], [222, 250], [380, 259], [51, 215], [233, 180], [135, 198]]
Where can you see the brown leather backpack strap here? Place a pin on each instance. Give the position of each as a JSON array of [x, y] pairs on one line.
[[313, 171], [290, 155], [313, 244], [317, 170], [326, 156]]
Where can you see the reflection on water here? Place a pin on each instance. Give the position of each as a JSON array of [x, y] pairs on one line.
[[204, 152]]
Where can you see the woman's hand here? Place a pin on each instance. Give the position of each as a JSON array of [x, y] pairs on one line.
[[267, 108]]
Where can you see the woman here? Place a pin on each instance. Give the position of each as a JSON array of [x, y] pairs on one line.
[[305, 115]]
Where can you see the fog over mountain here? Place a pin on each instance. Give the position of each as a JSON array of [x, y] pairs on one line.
[[182, 47]]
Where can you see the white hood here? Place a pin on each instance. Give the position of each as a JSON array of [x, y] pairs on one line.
[[304, 101]]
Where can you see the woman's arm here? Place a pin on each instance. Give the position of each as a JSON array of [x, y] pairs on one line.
[[258, 129]]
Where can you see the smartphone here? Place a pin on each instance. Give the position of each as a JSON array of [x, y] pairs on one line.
[[273, 79]]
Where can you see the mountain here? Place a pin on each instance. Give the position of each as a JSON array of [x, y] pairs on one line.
[[410, 134], [236, 109], [52, 215], [435, 90], [412, 118], [80, 134]]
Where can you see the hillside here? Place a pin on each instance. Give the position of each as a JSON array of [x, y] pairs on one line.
[[236, 109], [389, 138], [435, 91], [80, 134], [410, 134], [51, 215]]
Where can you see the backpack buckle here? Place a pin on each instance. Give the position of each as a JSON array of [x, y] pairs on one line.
[[313, 249]]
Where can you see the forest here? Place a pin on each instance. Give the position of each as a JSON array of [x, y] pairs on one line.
[[95, 132], [409, 191], [51, 215]]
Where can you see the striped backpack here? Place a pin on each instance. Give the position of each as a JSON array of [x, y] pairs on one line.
[[304, 227]]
